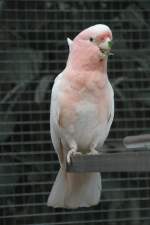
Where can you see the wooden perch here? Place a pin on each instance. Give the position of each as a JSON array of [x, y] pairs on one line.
[[129, 161], [122, 161]]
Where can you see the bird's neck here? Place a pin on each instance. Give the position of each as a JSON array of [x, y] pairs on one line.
[[85, 60], [80, 74]]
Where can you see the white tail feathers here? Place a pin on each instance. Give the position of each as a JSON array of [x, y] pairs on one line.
[[73, 190]]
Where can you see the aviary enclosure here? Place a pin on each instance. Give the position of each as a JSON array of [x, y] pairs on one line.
[[33, 50]]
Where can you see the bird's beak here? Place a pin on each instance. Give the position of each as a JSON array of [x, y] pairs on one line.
[[105, 47]]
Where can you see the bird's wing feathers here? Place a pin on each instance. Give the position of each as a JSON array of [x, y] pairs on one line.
[[54, 118]]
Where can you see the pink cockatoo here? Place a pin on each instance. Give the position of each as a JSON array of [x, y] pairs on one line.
[[82, 110]]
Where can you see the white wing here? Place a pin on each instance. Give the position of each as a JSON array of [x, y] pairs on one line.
[[54, 116]]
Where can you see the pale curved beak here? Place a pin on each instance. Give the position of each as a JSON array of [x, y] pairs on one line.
[[105, 47]]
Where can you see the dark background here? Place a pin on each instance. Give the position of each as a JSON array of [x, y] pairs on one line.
[[33, 50]]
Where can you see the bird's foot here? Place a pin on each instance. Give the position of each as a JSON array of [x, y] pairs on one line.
[[93, 152], [72, 153]]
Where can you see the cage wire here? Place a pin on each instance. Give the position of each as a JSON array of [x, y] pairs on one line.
[[33, 50]]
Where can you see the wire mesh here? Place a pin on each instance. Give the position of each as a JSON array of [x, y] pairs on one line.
[[33, 51]]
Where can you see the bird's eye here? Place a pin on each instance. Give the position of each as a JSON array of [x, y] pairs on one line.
[[91, 39]]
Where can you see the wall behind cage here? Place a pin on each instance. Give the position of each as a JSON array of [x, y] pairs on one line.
[[33, 50]]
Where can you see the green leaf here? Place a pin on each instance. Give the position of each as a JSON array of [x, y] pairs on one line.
[[19, 65], [41, 89], [110, 44]]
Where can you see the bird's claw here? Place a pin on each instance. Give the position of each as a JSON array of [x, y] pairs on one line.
[[71, 153], [93, 152]]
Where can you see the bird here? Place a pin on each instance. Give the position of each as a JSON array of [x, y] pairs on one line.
[[81, 114]]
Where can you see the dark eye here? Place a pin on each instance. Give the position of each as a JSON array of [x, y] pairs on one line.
[[91, 39]]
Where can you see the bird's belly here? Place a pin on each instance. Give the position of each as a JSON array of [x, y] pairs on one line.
[[85, 120], [86, 125]]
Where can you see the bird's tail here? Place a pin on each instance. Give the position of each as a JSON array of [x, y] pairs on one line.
[[73, 190]]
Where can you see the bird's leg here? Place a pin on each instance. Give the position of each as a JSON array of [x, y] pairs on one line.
[[72, 152]]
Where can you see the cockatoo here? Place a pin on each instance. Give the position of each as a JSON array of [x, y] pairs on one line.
[[82, 111]]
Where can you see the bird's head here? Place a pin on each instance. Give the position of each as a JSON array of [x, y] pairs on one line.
[[91, 46]]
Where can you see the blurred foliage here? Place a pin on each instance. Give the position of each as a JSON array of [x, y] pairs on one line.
[[31, 55]]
